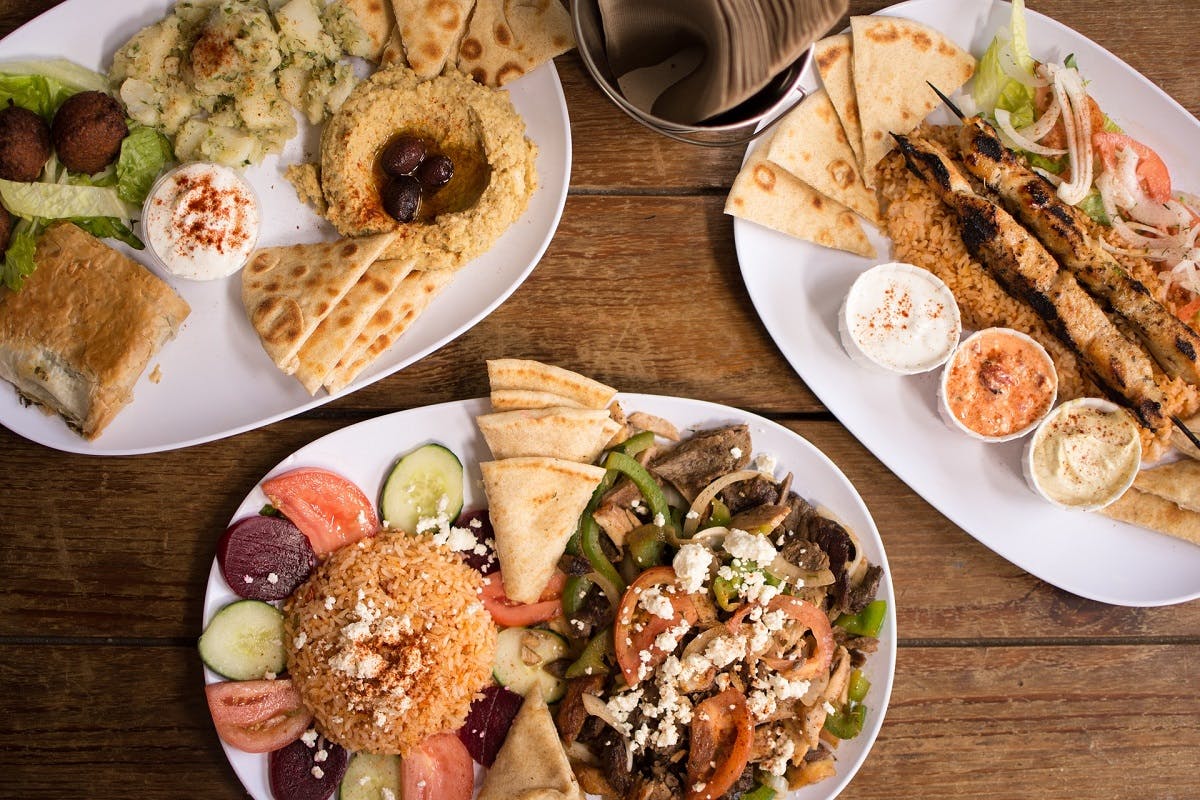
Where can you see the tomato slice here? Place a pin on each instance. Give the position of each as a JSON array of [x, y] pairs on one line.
[[636, 629], [1151, 170], [257, 716], [330, 510], [508, 614], [817, 622], [439, 769], [1189, 310], [721, 736]]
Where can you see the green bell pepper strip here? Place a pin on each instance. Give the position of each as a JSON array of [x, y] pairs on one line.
[[719, 517], [647, 545], [589, 536], [867, 622], [848, 723], [760, 792], [726, 590], [858, 687], [636, 444], [575, 594], [645, 483], [592, 661]]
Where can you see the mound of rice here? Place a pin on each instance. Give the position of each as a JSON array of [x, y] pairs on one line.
[[389, 642], [926, 233]]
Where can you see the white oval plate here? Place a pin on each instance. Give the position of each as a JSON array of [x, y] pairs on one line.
[[217, 380], [365, 453], [797, 288]]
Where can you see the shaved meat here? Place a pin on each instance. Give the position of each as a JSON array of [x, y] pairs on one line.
[[697, 461]]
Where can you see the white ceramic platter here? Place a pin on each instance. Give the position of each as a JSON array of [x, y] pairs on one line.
[[365, 453], [797, 288], [216, 380]]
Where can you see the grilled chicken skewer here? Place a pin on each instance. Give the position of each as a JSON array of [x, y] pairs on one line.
[[1063, 230], [1021, 265]]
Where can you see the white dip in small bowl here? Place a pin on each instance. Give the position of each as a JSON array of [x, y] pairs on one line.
[[899, 318], [201, 221]]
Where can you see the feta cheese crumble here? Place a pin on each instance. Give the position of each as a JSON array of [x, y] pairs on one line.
[[691, 566], [749, 547]]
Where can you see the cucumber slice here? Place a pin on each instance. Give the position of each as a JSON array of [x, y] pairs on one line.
[[521, 658], [426, 484], [244, 641], [368, 775]]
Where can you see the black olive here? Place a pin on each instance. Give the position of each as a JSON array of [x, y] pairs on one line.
[[435, 172], [401, 197], [403, 155]]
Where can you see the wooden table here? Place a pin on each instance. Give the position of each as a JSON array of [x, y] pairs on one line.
[[1005, 687]]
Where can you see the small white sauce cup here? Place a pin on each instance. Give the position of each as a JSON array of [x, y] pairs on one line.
[[952, 420], [1115, 491]]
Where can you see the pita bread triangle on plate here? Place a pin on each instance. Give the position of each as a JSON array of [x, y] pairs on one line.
[[430, 31], [895, 60], [517, 373], [288, 290], [811, 144], [516, 399], [572, 434], [335, 334], [505, 39], [532, 764], [833, 56], [376, 19], [535, 504], [769, 195]]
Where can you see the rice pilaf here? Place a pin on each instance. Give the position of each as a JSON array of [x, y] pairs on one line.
[[388, 642], [925, 232]]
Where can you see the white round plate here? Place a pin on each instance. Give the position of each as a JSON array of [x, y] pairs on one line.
[[216, 379], [365, 453], [797, 288]]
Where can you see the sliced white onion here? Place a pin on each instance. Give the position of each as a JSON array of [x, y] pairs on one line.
[[597, 708], [1010, 67], [1186, 275], [700, 505], [1122, 251], [1077, 119], [1004, 120], [1055, 180], [1045, 123]]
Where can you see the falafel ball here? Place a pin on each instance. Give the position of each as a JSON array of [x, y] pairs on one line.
[[24, 144], [88, 129], [6, 229]]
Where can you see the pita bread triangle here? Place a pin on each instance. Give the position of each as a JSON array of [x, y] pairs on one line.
[[391, 319], [532, 764], [516, 399], [319, 355], [535, 504], [288, 290], [516, 373], [572, 434], [506, 39], [894, 61], [811, 144], [430, 31], [376, 19], [769, 195], [833, 56]]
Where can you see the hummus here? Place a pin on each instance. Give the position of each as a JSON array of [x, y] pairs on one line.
[[477, 127], [1084, 455]]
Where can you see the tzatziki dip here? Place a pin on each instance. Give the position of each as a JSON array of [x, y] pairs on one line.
[[201, 221]]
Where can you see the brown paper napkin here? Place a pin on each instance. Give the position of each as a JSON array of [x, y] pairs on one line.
[[740, 45]]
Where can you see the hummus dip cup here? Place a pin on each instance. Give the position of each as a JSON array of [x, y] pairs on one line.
[[1084, 455]]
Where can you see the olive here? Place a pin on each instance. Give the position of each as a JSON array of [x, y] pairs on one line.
[[402, 155], [401, 197], [435, 172]]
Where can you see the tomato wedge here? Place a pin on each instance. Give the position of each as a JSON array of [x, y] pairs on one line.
[[439, 769], [330, 510], [1189, 310], [508, 614], [721, 735], [816, 621], [1151, 170], [257, 716], [636, 629]]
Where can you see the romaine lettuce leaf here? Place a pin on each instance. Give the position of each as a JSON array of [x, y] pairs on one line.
[[1093, 206], [37, 93], [18, 259], [59, 201], [992, 88], [1054, 165], [144, 153], [109, 228]]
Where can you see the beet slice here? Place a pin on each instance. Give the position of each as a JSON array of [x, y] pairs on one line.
[[307, 770], [488, 722], [483, 563], [264, 558]]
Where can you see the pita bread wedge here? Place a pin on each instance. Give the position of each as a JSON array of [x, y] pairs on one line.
[[335, 334], [516, 399], [506, 39], [376, 19], [430, 31], [893, 61], [389, 322], [1178, 482], [532, 764], [516, 373], [811, 144], [833, 56], [287, 291], [1150, 511], [769, 195], [572, 434], [534, 504]]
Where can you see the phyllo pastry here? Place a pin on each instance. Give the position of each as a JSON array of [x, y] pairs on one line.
[[81, 331]]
